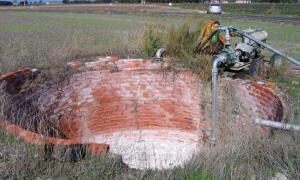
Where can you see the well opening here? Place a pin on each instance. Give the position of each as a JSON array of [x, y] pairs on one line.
[[152, 119]]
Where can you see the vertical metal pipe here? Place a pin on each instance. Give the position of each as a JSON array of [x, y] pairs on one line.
[[214, 95], [227, 36]]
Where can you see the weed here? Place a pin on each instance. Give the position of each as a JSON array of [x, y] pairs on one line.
[[153, 40], [181, 45], [199, 175]]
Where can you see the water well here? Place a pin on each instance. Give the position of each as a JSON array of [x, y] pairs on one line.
[[132, 108]]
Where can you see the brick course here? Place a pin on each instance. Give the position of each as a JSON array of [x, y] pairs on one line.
[[132, 101]]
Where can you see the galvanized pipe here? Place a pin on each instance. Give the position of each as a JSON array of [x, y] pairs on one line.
[[292, 60], [227, 37], [160, 52], [227, 34], [219, 59], [277, 125]]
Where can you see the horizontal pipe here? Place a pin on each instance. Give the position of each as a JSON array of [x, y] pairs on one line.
[[277, 125]]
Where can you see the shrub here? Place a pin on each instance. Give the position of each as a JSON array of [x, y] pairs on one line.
[[181, 45], [153, 40], [180, 42]]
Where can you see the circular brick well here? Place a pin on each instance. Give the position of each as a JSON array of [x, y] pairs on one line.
[[151, 118]]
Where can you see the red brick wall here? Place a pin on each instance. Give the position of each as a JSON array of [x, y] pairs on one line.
[[261, 97], [240, 102], [114, 95], [37, 138], [268, 103], [137, 96]]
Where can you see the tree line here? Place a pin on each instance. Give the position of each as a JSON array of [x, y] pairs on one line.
[[173, 1]]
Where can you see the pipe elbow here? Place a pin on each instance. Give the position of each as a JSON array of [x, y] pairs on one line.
[[218, 60], [160, 53]]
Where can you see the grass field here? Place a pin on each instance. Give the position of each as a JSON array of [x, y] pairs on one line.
[[47, 40], [44, 39], [28, 37], [268, 9]]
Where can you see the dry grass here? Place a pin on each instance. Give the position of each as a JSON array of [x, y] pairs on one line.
[[40, 52], [152, 40], [251, 156], [242, 152], [41, 41], [181, 55], [244, 155], [23, 112]]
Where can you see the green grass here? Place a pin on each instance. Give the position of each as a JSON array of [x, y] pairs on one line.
[[283, 36], [291, 85], [199, 175], [6, 139], [35, 38], [25, 27], [42, 35], [114, 22], [275, 9]]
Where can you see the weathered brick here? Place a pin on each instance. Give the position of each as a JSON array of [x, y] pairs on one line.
[[137, 98]]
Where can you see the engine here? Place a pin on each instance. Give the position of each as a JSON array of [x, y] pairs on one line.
[[248, 49]]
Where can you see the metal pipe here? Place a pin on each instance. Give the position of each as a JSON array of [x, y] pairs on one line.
[[277, 125], [270, 48], [160, 53], [227, 37], [227, 34], [219, 59]]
